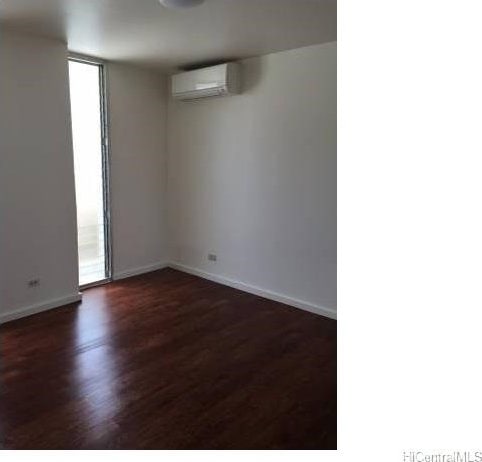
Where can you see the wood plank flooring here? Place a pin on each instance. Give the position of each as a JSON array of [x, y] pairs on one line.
[[167, 360]]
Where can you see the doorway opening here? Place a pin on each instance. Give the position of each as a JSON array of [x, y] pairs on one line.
[[91, 167]]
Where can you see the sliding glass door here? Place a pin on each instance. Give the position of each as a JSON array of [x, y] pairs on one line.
[[89, 132]]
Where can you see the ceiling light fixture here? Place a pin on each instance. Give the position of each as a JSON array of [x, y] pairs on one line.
[[178, 4]]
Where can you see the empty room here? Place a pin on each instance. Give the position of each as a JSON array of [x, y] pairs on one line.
[[168, 224]]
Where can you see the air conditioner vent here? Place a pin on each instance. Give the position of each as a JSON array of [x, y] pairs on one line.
[[220, 80]]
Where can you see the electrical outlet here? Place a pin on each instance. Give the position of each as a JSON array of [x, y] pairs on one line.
[[33, 283], [212, 257]]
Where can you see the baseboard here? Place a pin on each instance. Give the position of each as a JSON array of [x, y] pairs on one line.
[[140, 270], [303, 305], [39, 307]]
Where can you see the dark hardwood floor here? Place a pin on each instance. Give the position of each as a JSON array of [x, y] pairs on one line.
[[167, 360]]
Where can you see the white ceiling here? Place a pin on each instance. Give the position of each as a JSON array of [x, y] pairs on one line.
[[143, 32]]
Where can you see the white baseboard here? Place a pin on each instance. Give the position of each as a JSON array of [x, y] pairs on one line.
[[139, 270], [39, 307], [306, 306]]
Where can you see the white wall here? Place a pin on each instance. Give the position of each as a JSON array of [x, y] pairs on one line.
[[38, 236], [137, 100], [253, 178], [37, 199]]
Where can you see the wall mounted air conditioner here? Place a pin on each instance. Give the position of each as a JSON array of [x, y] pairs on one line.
[[221, 80]]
